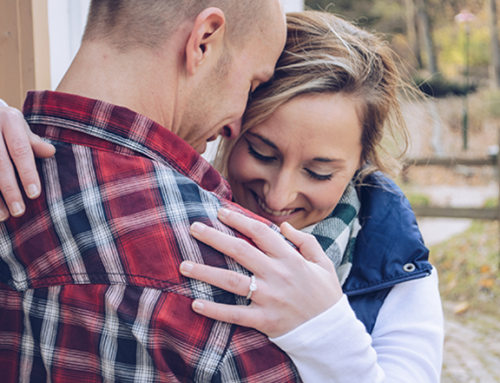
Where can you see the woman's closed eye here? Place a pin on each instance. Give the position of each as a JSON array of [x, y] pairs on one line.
[[318, 177], [255, 154]]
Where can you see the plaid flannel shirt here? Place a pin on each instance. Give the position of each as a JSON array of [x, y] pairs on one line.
[[90, 289]]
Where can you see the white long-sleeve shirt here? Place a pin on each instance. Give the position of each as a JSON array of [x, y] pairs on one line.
[[406, 345]]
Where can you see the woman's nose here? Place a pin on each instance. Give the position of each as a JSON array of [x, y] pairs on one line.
[[280, 192]]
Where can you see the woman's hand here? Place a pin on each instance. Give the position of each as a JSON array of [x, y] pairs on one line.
[[17, 145], [291, 288]]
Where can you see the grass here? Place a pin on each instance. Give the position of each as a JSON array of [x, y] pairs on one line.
[[468, 267], [418, 199]]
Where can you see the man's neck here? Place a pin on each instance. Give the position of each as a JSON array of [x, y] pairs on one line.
[[142, 80]]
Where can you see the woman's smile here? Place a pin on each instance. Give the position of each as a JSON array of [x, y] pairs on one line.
[[264, 207]]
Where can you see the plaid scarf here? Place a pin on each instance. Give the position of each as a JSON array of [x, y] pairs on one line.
[[337, 233]]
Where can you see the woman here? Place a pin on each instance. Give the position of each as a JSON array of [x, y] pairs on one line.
[[310, 134], [369, 312]]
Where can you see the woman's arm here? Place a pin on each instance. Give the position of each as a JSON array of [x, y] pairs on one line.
[[328, 344], [17, 146]]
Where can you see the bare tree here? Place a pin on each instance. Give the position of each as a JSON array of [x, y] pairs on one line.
[[426, 35], [494, 45], [411, 31]]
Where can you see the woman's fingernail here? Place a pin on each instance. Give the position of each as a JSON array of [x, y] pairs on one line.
[[223, 212], [3, 216], [197, 227], [198, 306], [33, 191], [16, 209], [186, 266]]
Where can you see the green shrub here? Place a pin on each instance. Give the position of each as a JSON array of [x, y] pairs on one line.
[[418, 199], [491, 203]]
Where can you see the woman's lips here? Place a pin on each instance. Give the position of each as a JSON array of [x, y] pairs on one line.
[[273, 215]]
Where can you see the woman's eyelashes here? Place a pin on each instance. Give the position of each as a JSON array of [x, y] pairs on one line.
[[270, 159], [255, 154], [318, 177]]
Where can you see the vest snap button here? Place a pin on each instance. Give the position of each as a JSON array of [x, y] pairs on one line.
[[409, 267]]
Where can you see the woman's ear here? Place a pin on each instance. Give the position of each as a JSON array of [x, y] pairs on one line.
[[206, 40]]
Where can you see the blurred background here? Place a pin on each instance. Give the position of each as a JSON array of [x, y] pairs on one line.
[[447, 48], [450, 50]]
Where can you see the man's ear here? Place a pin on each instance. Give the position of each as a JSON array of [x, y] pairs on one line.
[[206, 40]]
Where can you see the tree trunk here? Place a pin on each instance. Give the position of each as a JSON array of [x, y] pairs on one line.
[[426, 36], [411, 31], [494, 45]]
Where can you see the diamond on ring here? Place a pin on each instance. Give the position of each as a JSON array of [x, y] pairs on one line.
[[252, 288]]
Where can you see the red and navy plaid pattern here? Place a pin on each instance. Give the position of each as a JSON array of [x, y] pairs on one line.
[[90, 289]]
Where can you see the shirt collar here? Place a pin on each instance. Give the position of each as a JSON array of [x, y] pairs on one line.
[[125, 128]]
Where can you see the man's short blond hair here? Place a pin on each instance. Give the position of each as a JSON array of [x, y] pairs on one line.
[[129, 23]]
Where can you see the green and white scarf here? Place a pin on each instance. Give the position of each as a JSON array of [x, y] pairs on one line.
[[337, 233]]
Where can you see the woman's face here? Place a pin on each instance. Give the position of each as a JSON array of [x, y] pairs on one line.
[[296, 165]]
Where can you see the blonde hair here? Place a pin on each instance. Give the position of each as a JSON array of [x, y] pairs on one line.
[[325, 54]]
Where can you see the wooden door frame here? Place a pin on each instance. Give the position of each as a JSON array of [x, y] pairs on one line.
[[24, 49]]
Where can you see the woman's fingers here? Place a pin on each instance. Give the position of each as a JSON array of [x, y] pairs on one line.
[[41, 148], [8, 184], [225, 279], [266, 239], [308, 245], [239, 315], [17, 144], [290, 289], [236, 248]]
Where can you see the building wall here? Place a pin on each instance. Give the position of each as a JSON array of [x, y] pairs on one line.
[[293, 5], [66, 24]]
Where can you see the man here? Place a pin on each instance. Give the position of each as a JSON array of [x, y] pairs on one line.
[[90, 289]]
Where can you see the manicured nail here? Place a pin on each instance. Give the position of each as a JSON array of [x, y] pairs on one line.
[[186, 267], [197, 228], [198, 306], [224, 212], [16, 209], [33, 191], [3, 216]]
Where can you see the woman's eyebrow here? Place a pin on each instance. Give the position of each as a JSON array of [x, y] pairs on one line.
[[264, 140]]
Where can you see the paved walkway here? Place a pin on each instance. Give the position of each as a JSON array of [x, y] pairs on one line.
[[471, 349]]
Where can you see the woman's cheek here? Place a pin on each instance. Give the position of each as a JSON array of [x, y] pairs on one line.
[[327, 198]]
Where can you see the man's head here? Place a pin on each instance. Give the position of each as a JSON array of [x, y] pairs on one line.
[[130, 23], [222, 49]]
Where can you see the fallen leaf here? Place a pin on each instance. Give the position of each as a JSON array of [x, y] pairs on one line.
[[461, 308], [487, 282], [485, 269]]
